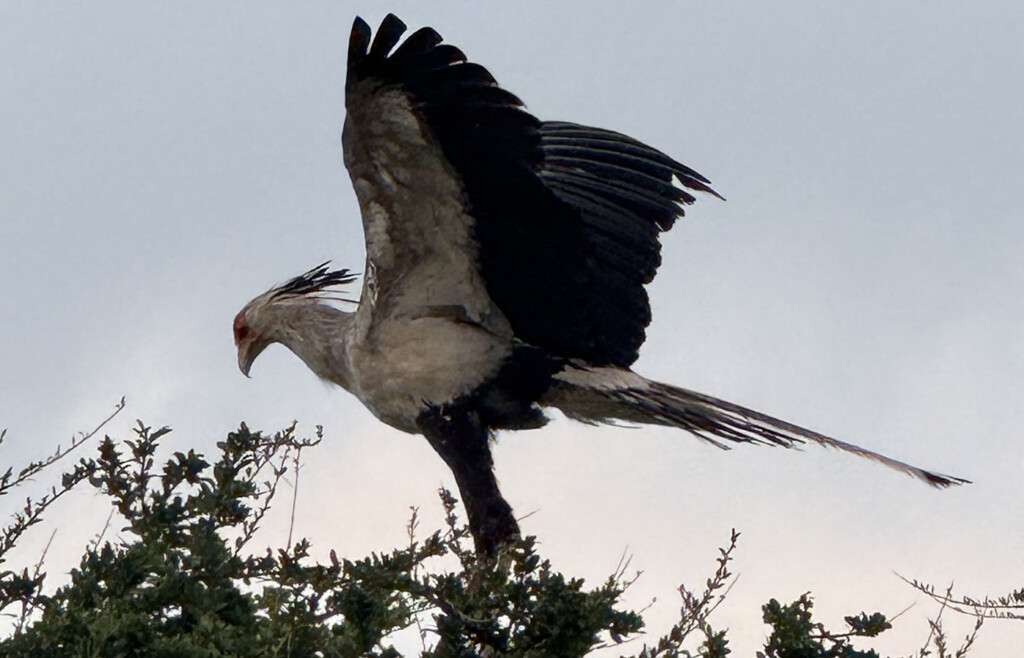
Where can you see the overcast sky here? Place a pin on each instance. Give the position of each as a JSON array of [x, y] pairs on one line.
[[162, 163]]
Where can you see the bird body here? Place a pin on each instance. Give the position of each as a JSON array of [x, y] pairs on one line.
[[424, 301], [506, 260]]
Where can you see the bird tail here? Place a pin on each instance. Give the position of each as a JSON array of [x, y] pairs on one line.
[[610, 394]]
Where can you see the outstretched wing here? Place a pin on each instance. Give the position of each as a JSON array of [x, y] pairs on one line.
[[558, 222]]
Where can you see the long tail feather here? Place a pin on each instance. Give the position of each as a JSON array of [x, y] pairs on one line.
[[610, 394]]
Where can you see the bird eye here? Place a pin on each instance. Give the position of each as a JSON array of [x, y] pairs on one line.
[[241, 328]]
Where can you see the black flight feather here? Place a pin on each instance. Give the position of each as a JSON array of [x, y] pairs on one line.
[[390, 31], [567, 216]]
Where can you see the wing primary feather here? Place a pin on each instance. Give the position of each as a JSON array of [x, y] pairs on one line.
[[604, 219], [635, 178], [419, 43], [390, 31], [468, 73], [597, 206], [564, 134], [630, 157], [640, 199], [621, 157], [471, 95], [359, 40], [440, 57]]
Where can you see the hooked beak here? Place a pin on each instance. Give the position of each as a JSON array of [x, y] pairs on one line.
[[244, 362], [247, 352]]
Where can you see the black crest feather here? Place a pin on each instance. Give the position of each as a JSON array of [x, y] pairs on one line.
[[315, 280]]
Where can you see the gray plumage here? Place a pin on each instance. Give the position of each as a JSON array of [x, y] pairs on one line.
[[505, 265]]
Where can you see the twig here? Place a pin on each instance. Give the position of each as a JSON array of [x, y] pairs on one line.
[[26, 606], [295, 492], [95, 544], [7, 483]]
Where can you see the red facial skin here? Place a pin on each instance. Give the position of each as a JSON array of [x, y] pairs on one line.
[[241, 329], [244, 341]]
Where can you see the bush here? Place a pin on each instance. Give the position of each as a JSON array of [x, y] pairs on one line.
[[180, 582]]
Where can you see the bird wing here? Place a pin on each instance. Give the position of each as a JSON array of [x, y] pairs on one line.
[[554, 223]]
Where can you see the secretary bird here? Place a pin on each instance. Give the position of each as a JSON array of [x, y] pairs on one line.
[[506, 259]]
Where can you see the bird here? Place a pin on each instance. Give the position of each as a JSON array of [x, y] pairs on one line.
[[505, 273]]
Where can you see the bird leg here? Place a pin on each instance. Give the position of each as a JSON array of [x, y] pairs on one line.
[[458, 436]]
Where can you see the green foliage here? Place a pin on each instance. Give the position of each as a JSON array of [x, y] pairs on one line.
[[694, 615], [795, 635], [178, 580], [174, 585], [24, 588]]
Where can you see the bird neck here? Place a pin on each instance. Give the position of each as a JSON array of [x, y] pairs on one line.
[[316, 333]]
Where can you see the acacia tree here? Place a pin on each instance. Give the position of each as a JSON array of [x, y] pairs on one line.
[[181, 580]]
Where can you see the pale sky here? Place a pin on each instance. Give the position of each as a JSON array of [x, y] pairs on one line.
[[162, 163]]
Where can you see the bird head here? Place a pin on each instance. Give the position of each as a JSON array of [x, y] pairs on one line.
[[265, 320]]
